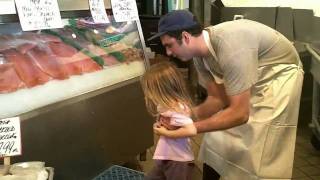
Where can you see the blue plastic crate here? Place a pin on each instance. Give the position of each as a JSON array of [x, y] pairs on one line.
[[116, 172]]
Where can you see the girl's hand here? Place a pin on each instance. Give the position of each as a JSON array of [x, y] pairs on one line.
[[159, 129], [165, 121]]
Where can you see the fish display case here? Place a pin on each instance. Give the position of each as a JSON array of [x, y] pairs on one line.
[[76, 90]]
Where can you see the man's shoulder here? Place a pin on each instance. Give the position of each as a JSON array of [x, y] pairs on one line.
[[230, 26], [222, 29]]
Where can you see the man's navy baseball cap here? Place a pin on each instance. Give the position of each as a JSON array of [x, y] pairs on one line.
[[174, 21]]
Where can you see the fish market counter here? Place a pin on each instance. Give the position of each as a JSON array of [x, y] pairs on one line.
[[76, 90]]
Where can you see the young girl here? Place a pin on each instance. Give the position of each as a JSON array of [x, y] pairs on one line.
[[167, 99]]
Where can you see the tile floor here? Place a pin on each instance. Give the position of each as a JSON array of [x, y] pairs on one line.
[[306, 162], [307, 159]]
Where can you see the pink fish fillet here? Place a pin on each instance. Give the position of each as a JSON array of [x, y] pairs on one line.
[[9, 79], [65, 55], [39, 37], [47, 62], [75, 61], [28, 72]]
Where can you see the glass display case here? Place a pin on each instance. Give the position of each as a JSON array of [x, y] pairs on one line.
[[42, 67], [76, 90]]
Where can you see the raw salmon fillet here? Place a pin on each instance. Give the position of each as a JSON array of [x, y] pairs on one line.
[[27, 71], [47, 62], [74, 61], [39, 38], [9, 79]]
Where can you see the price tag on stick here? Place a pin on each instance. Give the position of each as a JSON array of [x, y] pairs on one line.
[[10, 137], [124, 10], [98, 11]]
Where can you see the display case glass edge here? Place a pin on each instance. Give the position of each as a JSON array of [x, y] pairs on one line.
[[147, 62]]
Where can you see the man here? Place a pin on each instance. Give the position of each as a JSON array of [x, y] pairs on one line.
[[253, 78]]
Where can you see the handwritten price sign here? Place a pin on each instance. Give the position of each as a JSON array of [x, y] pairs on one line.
[[124, 10], [10, 137], [98, 11], [38, 14]]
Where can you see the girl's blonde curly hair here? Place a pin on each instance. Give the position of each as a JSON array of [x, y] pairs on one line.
[[164, 86]]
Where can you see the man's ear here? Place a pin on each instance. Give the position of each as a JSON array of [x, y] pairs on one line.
[[185, 36]]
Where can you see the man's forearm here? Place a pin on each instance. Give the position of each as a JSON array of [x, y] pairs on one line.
[[186, 131], [235, 113], [210, 106], [225, 119]]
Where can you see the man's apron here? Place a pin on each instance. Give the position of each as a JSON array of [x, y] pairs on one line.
[[263, 148]]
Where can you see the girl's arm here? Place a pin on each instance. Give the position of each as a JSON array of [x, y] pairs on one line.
[[184, 131]]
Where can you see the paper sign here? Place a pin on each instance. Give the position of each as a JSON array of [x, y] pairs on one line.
[[10, 137], [7, 7], [98, 11], [38, 14], [124, 10]]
